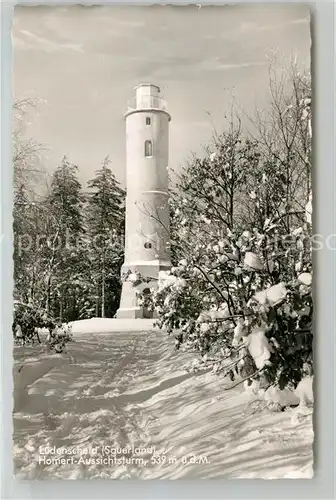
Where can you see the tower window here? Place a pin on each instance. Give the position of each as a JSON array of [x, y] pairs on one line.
[[148, 148], [148, 244], [148, 120]]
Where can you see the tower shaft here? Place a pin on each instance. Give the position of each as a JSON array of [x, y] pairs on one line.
[[147, 209]]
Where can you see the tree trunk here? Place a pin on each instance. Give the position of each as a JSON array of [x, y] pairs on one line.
[[74, 305], [97, 301], [103, 287], [61, 307], [47, 305]]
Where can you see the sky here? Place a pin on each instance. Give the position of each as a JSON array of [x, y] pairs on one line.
[[83, 63]]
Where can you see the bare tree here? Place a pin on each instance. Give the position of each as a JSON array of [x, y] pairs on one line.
[[284, 131], [26, 152]]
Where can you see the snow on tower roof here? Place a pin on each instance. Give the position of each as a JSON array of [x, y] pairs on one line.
[[147, 85]]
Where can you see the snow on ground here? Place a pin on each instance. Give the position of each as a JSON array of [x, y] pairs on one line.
[[131, 393], [106, 325]]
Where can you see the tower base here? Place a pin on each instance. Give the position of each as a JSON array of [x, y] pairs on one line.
[[131, 313], [129, 305]]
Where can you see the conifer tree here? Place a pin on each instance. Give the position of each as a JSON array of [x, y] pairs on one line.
[[105, 223], [65, 256]]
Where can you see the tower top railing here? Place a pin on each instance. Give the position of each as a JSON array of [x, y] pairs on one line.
[[149, 101]]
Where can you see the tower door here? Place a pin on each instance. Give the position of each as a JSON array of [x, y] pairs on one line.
[[147, 313]]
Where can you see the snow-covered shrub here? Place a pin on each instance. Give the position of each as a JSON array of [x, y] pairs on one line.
[[280, 337], [59, 336], [246, 325], [28, 320]]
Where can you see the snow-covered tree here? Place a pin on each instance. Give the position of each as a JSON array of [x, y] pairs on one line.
[[240, 289], [284, 131], [67, 246], [65, 258], [28, 222], [27, 155], [105, 226]]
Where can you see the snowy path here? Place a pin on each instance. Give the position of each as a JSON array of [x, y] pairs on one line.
[[131, 390]]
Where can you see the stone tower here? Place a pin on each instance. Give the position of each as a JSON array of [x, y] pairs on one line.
[[147, 211]]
